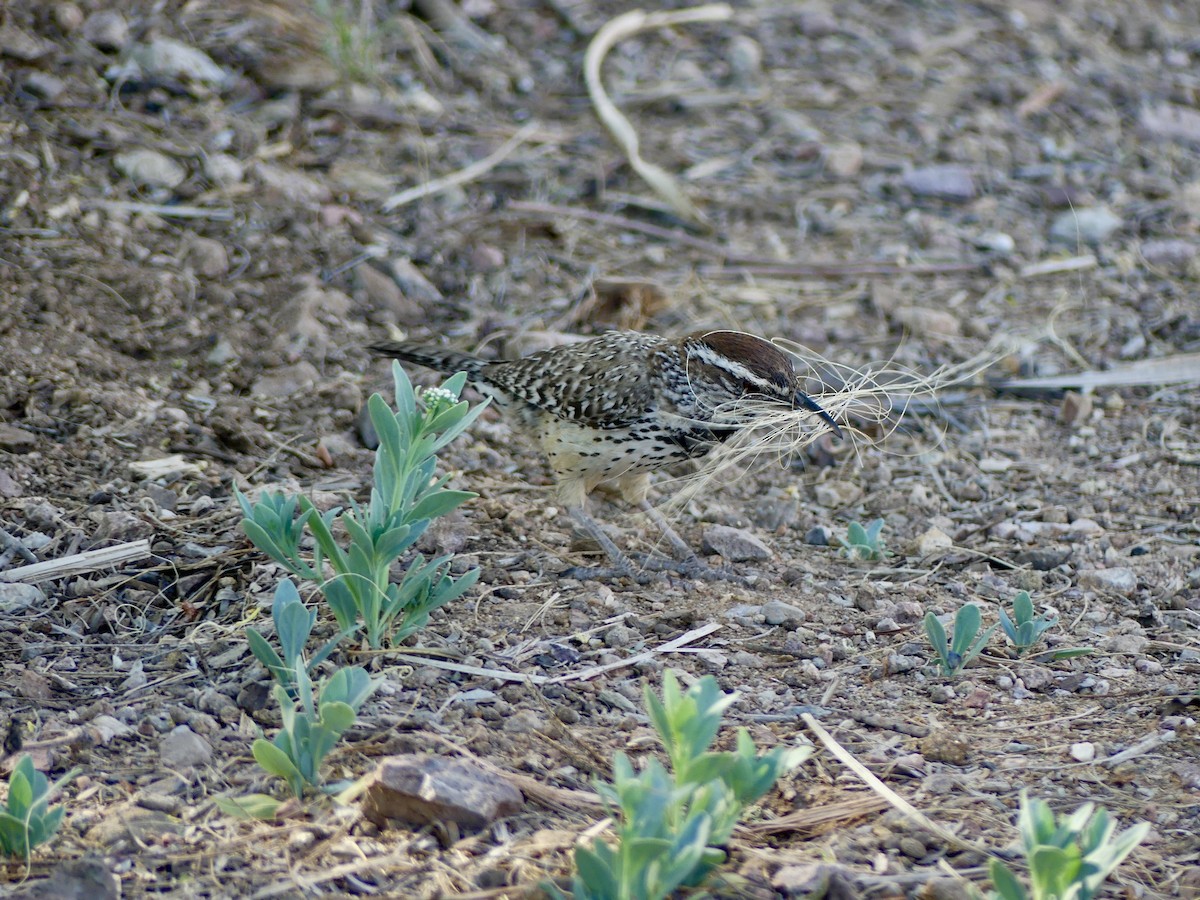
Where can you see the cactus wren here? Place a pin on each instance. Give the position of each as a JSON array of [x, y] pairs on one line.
[[618, 407]]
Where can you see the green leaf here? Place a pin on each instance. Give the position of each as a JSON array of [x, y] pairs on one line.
[[598, 879], [1006, 883], [1052, 870], [439, 504], [1023, 607], [966, 626], [249, 806], [937, 637], [278, 763]]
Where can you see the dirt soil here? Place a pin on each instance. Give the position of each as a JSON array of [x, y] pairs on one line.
[[884, 180]]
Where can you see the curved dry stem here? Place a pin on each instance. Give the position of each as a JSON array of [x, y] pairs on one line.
[[612, 33], [869, 404]]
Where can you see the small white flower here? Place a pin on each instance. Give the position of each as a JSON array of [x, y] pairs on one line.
[[435, 399]]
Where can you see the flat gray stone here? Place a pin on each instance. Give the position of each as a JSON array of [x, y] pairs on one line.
[[734, 544], [419, 790]]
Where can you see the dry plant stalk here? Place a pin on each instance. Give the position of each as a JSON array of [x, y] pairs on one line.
[[871, 397], [612, 33]]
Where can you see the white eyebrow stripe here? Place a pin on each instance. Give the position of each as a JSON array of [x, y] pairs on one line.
[[707, 355]]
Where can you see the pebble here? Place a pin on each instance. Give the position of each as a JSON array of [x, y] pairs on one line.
[[419, 790], [167, 58], [15, 596], [1043, 559], [1035, 678], [1172, 254], [207, 257], [16, 440], [1085, 225], [1118, 580], [844, 160], [43, 85], [1170, 122], [223, 170], [118, 525], [745, 57], [818, 536], [149, 167], [182, 748], [106, 30], [286, 381], [837, 494], [776, 612], [945, 182], [924, 321], [1084, 751], [996, 242], [934, 542], [734, 544]]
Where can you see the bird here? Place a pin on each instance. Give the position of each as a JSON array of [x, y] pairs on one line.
[[613, 409]]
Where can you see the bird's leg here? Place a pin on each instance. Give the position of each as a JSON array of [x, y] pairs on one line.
[[622, 564], [683, 552], [686, 563]]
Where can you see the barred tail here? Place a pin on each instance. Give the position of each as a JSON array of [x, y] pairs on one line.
[[440, 360]]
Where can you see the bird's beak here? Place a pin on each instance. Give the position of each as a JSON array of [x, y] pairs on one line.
[[804, 401]]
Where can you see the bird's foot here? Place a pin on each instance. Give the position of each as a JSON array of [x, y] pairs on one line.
[[694, 567]]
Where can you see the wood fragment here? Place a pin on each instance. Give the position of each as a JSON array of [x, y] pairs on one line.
[[79, 563], [874, 783], [462, 176], [1058, 266], [1182, 368]]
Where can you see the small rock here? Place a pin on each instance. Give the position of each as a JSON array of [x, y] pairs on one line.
[[1119, 580], [1172, 254], [1044, 559], [776, 612], [844, 160], [17, 43], [486, 258], [413, 282], [182, 748], [620, 636], [78, 879], [912, 848], [287, 184], [1084, 751], [817, 536], [15, 596], [1035, 678], [286, 381], [1085, 225], [106, 30], [1131, 644], [207, 257], [118, 525], [1170, 122], [830, 882], [386, 295], [745, 60], [16, 440], [837, 494], [1075, 408], [419, 790], [68, 17], [149, 167], [922, 321], [934, 542], [734, 544], [167, 58], [44, 86], [996, 242], [223, 170], [945, 182], [944, 746]]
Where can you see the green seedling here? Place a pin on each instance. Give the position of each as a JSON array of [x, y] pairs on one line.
[[862, 542], [966, 643], [405, 499], [673, 825], [1023, 629], [312, 725], [26, 818], [293, 624], [1069, 857]]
